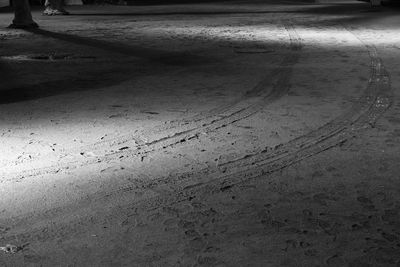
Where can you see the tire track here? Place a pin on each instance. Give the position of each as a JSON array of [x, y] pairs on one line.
[[264, 93], [377, 98]]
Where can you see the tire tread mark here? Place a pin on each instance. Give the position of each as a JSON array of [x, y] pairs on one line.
[[375, 102], [241, 110]]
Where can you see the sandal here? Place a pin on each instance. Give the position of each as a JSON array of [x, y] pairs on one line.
[[54, 12]]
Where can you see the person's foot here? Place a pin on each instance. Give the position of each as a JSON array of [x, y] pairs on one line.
[[61, 12], [55, 12], [31, 25]]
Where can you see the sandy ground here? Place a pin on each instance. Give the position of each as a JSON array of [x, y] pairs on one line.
[[245, 134]]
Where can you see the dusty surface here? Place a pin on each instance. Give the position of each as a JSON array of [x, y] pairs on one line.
[[247, 134]]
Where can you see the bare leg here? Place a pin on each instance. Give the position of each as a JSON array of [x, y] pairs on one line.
[[22, 15]]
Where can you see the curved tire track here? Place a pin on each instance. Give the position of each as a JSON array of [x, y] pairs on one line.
[[264, 93], [377, 98]]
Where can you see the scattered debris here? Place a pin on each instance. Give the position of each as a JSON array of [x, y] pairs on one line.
[[116, 116], [224, 188], [88, 154], [244, 126], [150, 112], [12, 248]]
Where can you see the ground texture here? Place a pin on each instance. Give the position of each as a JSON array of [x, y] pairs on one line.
[[245, 134]]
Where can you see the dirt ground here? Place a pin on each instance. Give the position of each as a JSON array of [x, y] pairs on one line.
[[227, 134]]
